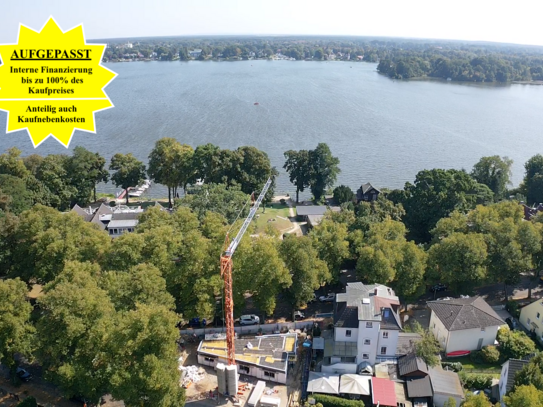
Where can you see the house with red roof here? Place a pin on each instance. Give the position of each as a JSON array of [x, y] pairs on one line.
[[383, 392]]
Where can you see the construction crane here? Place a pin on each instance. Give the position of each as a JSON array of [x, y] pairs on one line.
[[226, 273]]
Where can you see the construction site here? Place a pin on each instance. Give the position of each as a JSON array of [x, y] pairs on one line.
[[224, 369]]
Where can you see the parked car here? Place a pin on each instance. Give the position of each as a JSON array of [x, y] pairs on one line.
[[23, 374], [327, 298], [512, 322], [438, 287], [249, 320], [299, 315]]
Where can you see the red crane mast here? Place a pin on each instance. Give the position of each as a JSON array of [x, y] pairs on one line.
[[226, 273]]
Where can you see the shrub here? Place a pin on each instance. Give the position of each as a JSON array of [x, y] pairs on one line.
[[513, 308], [476, 356], [331, 401], [343, 194], [28, 402], [490, 354], [476, 381], [282, 201], [514, 344], [454, 366]]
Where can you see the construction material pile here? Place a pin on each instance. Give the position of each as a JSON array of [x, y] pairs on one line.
[[191, 374]]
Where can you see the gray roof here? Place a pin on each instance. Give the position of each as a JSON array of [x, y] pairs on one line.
[[364, 296], [515, 365], [445, 382], [419, 388], [390, 320], [465, 313], [128, 223], [366, 187], [125, 216], [406, 342], [311, 210], [346, 317], [410, 364]]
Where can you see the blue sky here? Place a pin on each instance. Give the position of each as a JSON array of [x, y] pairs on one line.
[[478, 20]]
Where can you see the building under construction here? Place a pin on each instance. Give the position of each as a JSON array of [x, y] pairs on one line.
[[265, 357]]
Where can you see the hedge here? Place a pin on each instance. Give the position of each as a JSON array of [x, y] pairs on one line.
[[454, 366], [476, 381], [331, 401]]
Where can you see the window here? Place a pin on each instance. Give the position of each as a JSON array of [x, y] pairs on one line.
[[244, 369], [483, 329], [434, 325], [538, 315], [528, 321], [365, 356], [369, 324], [209, 359], [348, 333], [367, 342], [269, 374], [383, 350], [385, 335]]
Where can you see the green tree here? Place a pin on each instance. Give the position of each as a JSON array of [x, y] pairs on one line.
[[531, 374], [218, 198], [11, 163], [324, 170], [143, 357], [16, 330], [428, 348], [45, 239], [298, 167], [479, 400], [75, 326], [252, 170], [28, 402], [207, 163], [458, 260], [495, 173], [528, 395], [330, 240], [343, 194], [86, 170], [54, 175], [163, 162], [18, 197], [532, 186], [129, 171], [260, 270], [141, 284], [308, 272], [434, 195], [450, 402], [514, 344]]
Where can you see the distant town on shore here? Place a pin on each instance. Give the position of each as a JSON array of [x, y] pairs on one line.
[[397, 58]]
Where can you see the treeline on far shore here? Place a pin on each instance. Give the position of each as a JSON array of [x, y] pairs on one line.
[[398, 58]]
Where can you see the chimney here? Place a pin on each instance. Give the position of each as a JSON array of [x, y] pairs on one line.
[[375, 291]]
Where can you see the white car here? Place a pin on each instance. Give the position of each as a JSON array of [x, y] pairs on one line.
[[327, 298], [249, 320]]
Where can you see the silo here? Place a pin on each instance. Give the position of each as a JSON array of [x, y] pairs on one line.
[[232, 380], [221, 378]]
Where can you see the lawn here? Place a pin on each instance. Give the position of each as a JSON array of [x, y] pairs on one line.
[[273, 211], [471, 367]]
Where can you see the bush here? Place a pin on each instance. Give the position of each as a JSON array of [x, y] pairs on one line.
[[331, 401], [476, 381], [28, 402], [454, 366], [514, 344], [513, 308], [282, 201], [490, 354], [476, 356]]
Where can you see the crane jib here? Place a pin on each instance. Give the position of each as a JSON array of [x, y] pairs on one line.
[[234, 244]]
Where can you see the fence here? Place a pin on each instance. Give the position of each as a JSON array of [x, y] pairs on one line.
[[251, 329]]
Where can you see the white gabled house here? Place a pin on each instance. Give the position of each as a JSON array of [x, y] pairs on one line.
[[366, 327], [464, 324], [531, 318]]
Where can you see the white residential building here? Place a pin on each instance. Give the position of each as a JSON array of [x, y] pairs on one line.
[[366, 327], [464, 324], [507, 377]]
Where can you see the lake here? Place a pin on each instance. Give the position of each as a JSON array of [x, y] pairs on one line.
[[383, 131]]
